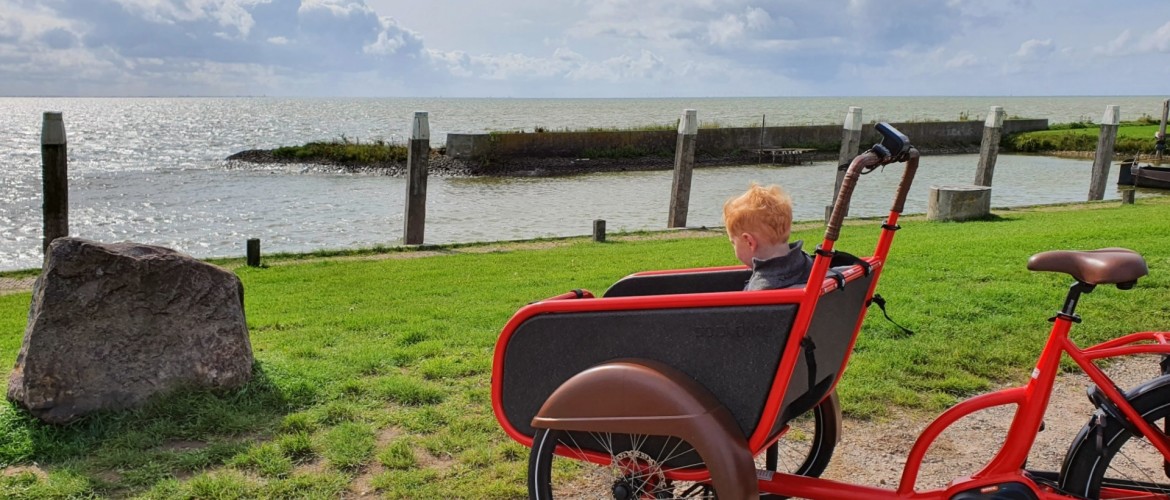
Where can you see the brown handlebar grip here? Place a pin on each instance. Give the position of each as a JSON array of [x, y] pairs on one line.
[[866, 159], [907, 180]]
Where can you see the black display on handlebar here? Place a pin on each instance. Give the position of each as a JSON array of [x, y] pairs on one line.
[[894, 142]]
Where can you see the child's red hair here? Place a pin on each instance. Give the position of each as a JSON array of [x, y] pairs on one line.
[[763, 211]]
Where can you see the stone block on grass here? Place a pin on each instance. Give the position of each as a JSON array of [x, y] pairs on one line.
[[111, 325], [958, 203]]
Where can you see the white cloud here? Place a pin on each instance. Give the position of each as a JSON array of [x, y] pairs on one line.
[[455, 62], [573, 48], [735, 27], [565, 54], [725, 30], [518, 67], [962, 60], [646, 65], [10, 29], [390, 39], [1158, 41], [225, 13], [757, 18], [1034, 49], [337, 8], [1118, 46]]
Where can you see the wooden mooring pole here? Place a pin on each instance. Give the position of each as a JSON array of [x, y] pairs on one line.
[[253, 249], [417, 161], [599, 230], [989, 148], [55, 179], [1104, 157], [850, 142], [684, 165], [1160, 145]]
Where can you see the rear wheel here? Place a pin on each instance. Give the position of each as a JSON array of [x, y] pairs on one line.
[[636, 466], [807, 446], [1108, 460]]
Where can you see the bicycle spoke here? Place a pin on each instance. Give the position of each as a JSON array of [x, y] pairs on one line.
[[1146, 453]]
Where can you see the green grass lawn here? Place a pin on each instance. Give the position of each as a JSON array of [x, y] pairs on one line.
[[373, 375], [1131, 138], [344, 150]]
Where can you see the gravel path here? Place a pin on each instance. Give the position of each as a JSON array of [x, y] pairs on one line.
[[14, 285], [874, 452]]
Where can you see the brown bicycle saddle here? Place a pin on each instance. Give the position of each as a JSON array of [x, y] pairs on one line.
[[1106, 266]]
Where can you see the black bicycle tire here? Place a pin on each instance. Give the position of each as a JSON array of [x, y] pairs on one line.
[[1085, 464], [539, 480], [827, 417]]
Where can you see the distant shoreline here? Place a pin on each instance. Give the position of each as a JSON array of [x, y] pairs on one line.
[[443, 165]]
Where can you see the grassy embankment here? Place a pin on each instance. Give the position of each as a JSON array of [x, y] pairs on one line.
[[344, 151], [374, 374], [1132, 137]]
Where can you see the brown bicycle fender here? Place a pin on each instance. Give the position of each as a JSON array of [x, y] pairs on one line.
[[639, 396]]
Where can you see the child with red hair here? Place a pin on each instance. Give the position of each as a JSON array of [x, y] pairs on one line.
[[758, 223]]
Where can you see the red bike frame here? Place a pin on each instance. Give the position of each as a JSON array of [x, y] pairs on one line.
[[1031, 401]]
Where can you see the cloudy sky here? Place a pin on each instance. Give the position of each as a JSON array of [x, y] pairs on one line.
[[583, 48]]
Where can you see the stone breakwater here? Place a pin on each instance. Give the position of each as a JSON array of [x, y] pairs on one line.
[[443, 165]]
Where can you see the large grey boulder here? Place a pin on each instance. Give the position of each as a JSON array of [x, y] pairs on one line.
[[111, 325]]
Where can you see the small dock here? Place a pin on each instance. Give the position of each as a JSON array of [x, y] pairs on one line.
[[783, 156]]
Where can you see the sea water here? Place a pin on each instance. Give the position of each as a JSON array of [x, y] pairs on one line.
[[151, 170]]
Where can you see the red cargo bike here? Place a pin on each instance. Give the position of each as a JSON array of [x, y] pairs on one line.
[[672, 382]]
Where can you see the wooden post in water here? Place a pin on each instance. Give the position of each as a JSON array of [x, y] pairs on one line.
[[850, 142], [763, 130], [684, 164], [55, 180], [1160, 146], [1104, 156], [417, 162], [989, 148]]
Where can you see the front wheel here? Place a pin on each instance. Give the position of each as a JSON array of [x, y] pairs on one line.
[[1106, 459], [635, 466]]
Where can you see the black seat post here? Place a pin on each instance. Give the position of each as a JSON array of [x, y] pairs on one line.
[[1069, 311]]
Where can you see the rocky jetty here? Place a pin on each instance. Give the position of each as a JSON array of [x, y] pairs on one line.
[[443, 165]]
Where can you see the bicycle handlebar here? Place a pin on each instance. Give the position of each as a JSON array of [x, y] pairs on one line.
[[869, 158], [895, 147], [907, 179]]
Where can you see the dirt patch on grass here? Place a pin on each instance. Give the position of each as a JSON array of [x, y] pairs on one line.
[[24, 469], [181, 446], [428, 461], [16, 285], [362, 485]]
